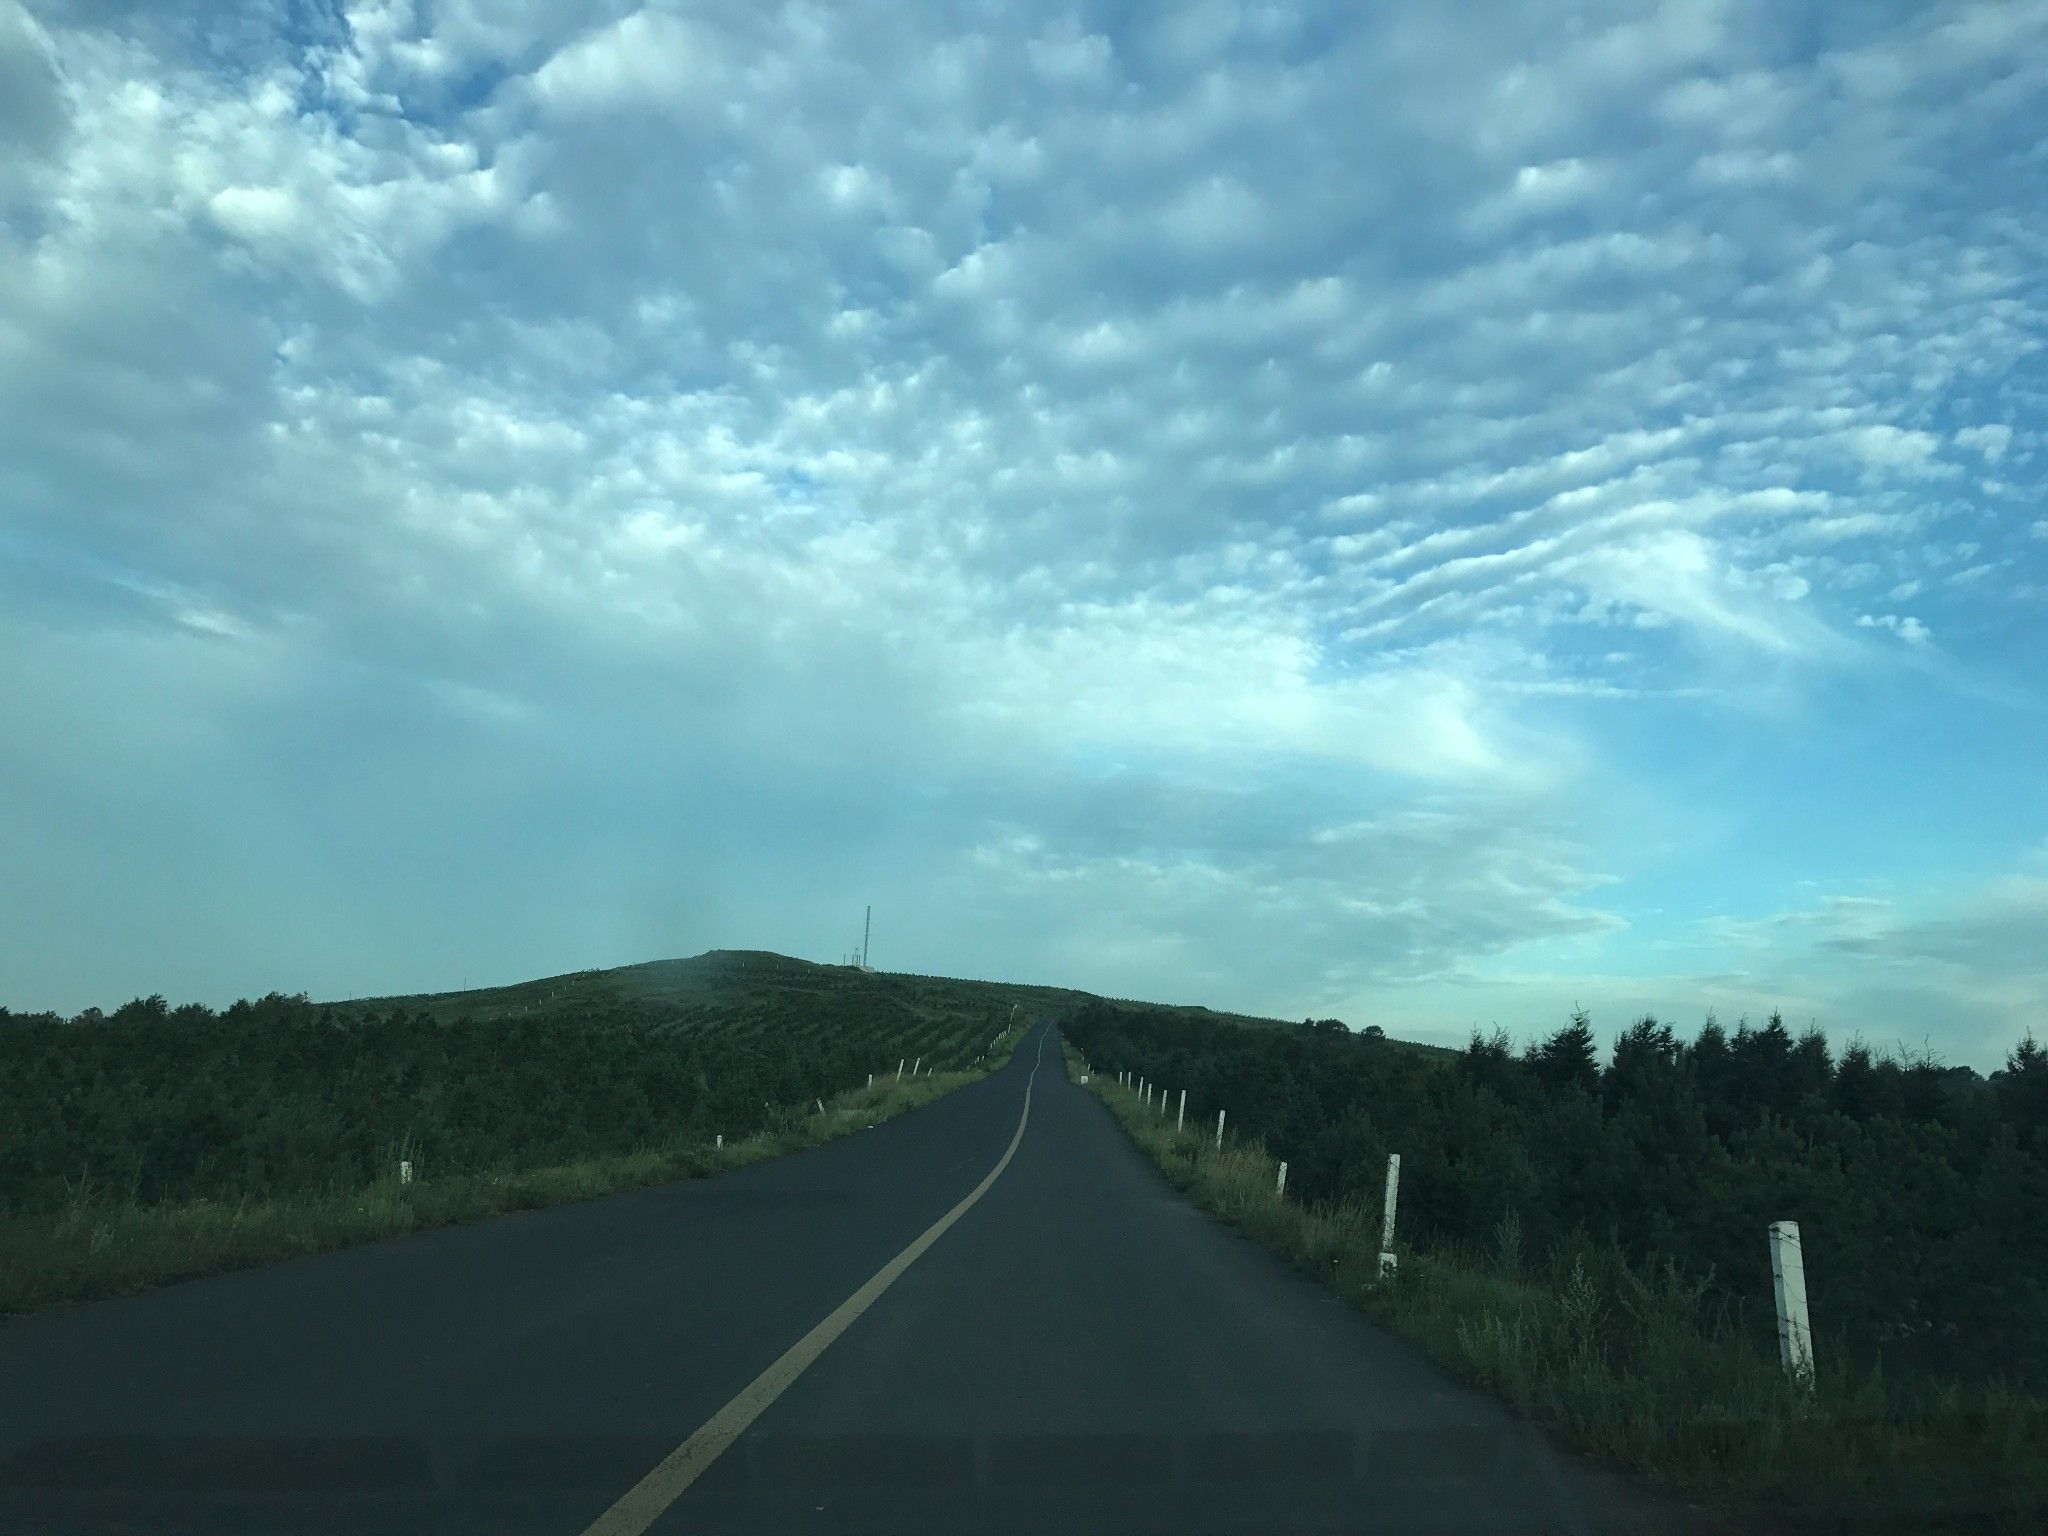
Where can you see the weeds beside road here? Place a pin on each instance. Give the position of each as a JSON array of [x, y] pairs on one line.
[[1630, 1366], [97, 1248]]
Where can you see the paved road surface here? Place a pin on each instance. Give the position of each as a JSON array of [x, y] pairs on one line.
[[1082, 1351]]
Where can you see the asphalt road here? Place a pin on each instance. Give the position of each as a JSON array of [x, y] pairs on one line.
[[1081, 1351]]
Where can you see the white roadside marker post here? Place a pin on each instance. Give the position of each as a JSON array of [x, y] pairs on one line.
[[405, 1172], [1219, 1130], [1788, 1282], [821, 1106], [1387, 1221], [899, 1069], [721, 1141], [1280, 1184], [1180, 1120], [871, 1079], [918, 1063]]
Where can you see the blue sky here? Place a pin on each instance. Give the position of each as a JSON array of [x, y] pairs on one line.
[[1422, 514]]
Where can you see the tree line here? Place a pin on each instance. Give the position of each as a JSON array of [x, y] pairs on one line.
[[1921, 1190], [282, 1096]]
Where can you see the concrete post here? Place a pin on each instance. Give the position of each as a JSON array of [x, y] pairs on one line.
[[1219, 1130], [1788, 1283], [1280, 1184], [1387, 1221]]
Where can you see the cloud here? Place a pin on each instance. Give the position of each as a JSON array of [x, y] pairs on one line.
[[32, 115], [1960, 967], [1896, 449], [1367, 896], [1990, 441], [695, 418], [648, 59], [1905, 626]]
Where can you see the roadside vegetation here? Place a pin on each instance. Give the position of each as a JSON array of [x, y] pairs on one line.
[[159, 1143], [1562, 1232]]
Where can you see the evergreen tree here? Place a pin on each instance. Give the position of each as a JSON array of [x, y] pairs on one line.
[[1567, 1060], [2021, 1093], [1811, 1071], [1646, 1064], [1761, 1072], [1862, 1089]]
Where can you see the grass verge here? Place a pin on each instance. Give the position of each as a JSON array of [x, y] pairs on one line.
[[104, 1248], [1637, 1370]]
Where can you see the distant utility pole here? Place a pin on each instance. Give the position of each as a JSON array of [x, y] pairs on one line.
[[867, 932]]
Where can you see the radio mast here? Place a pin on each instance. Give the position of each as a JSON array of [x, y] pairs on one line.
[[866, 932]]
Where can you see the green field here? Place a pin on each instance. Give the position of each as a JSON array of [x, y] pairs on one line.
[[155, 1143]]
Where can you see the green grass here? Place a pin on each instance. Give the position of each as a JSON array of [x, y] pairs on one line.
[[98, 1248], [1638, 1370]]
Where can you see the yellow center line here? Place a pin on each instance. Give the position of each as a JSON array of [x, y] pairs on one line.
[[642, 1504]]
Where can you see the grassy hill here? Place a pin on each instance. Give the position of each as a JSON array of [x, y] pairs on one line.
[[745, 989], [757, 991]]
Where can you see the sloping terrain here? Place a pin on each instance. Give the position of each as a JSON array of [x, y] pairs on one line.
[[757, 990]]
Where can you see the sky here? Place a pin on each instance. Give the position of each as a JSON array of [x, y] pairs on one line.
[[1427, 515]]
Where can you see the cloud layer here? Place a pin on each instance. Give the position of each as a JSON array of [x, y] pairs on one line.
[[1380, 514]]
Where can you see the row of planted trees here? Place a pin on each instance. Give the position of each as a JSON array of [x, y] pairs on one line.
[[281, 1096], [1922, 1190]]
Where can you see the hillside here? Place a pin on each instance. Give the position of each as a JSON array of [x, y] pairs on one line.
[[749, 989], [759, 991]]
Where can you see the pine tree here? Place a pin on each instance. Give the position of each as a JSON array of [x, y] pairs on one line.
[[2022, 1093], [1646, 1063], [1567, 1060]]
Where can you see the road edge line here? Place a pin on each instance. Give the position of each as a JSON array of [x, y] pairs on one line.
[[647, 1500]]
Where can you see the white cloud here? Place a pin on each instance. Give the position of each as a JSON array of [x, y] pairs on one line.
[[1894, 448], [651, 58], [1990, 441], [260, 215], [1001, 407], [1906, 627]]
